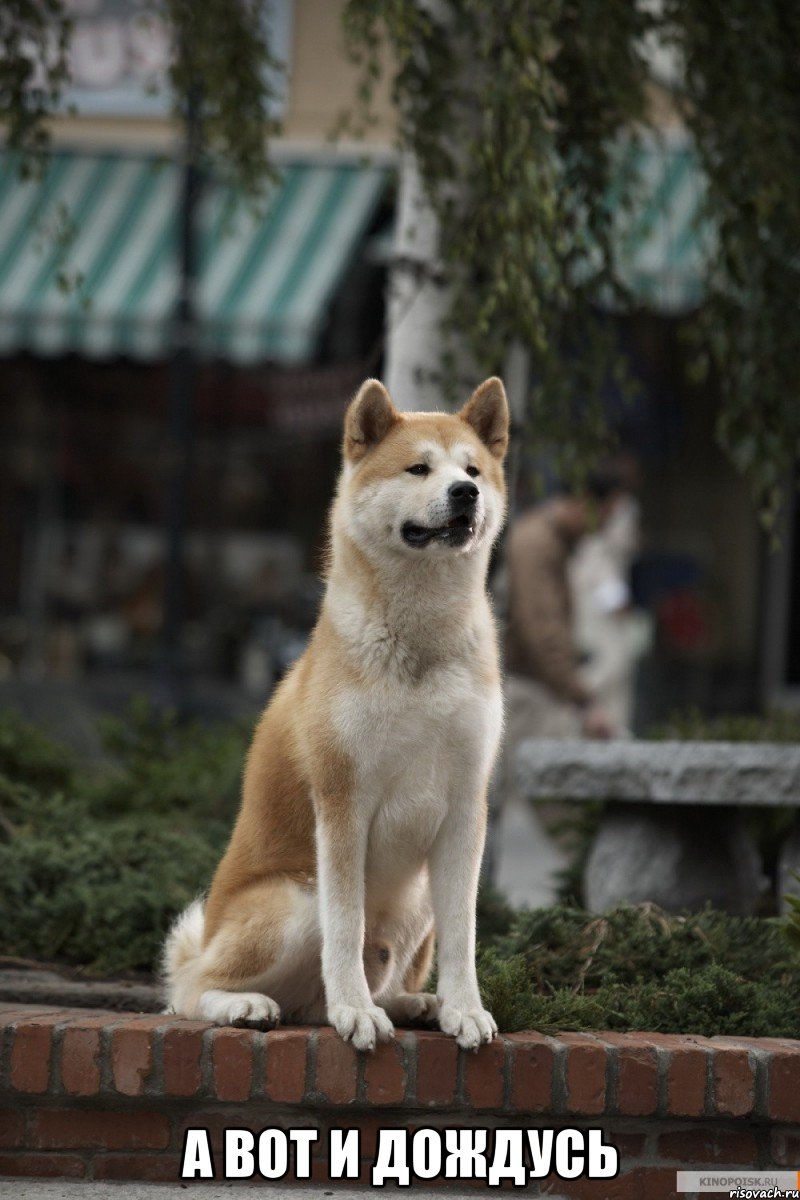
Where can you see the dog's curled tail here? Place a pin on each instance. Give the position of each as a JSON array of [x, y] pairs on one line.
[[182, 950]]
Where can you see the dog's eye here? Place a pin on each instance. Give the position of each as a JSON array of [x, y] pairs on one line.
[[472, 471], [419, 469]]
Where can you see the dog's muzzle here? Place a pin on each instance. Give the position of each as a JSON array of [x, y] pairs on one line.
[[462, 498]]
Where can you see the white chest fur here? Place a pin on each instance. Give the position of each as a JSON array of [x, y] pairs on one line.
[[417, 750]]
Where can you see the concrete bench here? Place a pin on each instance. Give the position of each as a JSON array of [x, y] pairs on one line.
[[672, 832]]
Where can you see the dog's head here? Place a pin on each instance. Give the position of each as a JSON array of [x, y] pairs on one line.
[[424, 484]]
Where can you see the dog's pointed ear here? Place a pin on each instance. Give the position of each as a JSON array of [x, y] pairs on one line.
[[369, 418], [487, 412]]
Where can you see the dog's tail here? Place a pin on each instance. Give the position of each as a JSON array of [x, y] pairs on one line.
[[182, 950]]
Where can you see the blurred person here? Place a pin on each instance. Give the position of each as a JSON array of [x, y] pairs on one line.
[[611, 634], [546, 693]]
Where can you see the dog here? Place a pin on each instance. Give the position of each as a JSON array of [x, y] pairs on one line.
[[363, 812]]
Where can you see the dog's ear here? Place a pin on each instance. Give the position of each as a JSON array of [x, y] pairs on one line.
[[369, 418], [487, 412]]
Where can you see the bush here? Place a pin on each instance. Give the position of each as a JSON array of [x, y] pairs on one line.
[[691, 725], [30, 756], [159, 765], [638, 968], [95, 863], [96, 860]]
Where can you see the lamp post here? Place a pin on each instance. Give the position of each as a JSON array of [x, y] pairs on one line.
[[182, 381]]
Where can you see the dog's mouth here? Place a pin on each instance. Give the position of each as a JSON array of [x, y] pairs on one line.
[[456, 532]]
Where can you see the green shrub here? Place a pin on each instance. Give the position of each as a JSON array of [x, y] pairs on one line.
[[692, 725], [96, 860], [30, 756], [95, 863], [637, 968], [101, 894], [160, 765]]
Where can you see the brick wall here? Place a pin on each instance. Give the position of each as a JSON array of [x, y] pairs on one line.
[[106, 1095]]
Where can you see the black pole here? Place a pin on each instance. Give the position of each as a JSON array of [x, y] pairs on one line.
[[182, 380]]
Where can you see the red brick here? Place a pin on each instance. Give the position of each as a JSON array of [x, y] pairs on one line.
[[80, 1061], [785, 1148], [437, 1062], [78, 1129], [31, 1054], [132, 1058], [629, 1145], [637, 1074], [12, 1128], [151, 1168], [42, 1166], [687, 1071], [286, 1065], [337, 1067], [717, 1147], [368, 1127], [232, 1063], [531, 1073], [585, 1074], [216, 1121], [11, 1013], [483, 1075], [723, 1042], [385, 1073], [734, 1083], [182, 1049], [784, 1085], [657, 1183]]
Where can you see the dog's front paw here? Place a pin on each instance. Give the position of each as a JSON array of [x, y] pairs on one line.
[[361, 1026], [469, 1026]]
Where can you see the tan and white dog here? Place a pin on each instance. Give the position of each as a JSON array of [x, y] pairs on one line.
[[364, 802]]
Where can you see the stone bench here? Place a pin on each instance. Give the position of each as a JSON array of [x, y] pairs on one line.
[[672, 832]]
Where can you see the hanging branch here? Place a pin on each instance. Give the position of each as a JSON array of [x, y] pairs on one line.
[[34, 41], [554, 84], [742, 80], [512, 122]]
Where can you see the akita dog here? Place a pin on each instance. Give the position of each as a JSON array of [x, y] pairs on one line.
[[364, 799]]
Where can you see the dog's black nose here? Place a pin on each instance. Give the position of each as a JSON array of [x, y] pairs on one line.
[[462, 494]]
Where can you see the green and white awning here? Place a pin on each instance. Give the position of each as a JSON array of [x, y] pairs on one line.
[[663, 245], [88, 257]]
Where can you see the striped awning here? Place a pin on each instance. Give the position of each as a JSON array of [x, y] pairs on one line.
[[663, 245], [89, 253]]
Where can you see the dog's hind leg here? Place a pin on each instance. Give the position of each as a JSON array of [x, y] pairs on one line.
[[262, 958], [251, 1009], [410, 1003]]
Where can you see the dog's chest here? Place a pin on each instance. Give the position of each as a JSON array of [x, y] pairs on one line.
[[392, 731], [415, 750]]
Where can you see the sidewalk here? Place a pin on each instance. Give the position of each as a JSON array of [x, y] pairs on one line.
[[60, 1189]]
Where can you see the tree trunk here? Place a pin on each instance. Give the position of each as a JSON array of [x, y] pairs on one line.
[[417, 299]]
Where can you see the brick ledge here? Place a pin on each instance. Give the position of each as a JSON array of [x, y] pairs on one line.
[[79, 1053], [108, 1095]]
